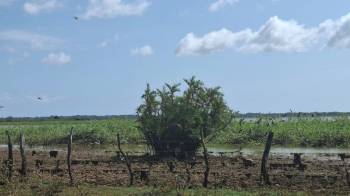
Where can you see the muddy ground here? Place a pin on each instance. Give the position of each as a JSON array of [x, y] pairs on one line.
[[317, 172]]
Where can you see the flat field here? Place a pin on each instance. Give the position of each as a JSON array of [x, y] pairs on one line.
[[96, 171], [299, 132]]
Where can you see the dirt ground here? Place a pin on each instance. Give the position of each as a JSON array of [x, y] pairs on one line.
[[321, 172]]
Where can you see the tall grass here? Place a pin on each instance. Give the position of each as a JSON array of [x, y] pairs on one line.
[[310, 132], [87, 131]]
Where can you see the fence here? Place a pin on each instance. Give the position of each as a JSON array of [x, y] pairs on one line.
[[144, 173]]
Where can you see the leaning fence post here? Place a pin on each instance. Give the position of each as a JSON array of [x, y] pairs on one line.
[[264, 172], [10, 155], [69, 153], [128, 164], [23, 156], [206, 161], [347, 175]]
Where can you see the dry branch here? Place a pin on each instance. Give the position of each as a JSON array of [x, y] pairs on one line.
[[127, 162]]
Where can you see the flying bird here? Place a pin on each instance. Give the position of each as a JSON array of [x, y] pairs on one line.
[[76, 17], [39, 98]]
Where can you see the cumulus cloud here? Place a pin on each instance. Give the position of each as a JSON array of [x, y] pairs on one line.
[[276, 35], [338, 32], [211, 42], [114, 8], [56, 59], [219, 4], [142, 51], [282, 36], [36, 41], [37, 6]]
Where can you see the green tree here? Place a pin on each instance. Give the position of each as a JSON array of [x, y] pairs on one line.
[[172, 123]]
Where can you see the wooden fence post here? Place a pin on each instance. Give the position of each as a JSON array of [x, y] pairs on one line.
[[10, 156], [206, 161], [69, 154], [347, 175], [264, 173], [23, 156], [128, 164]]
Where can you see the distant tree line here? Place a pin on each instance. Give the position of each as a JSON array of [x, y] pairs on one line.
[[292, 114], [237, 115], [132, 117], [76, 117]]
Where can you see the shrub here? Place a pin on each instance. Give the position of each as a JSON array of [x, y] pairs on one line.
[[172, 124]]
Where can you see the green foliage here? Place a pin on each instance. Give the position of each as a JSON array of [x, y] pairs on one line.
[[303, 132], [50, 132], [172, 124]]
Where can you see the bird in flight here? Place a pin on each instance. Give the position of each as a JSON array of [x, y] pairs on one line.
[[39, 98], [76, 17]]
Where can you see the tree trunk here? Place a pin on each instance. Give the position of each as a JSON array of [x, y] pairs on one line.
[[264, 173], [23, 156], [127, 162], [69, 154]]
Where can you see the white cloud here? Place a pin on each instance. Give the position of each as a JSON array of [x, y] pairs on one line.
[[338, 32], [219, 4], [142, 51], [211, 42], [275, 35], [37, 6], [281, 36], [114, 8], [56, 59], [36, 41]]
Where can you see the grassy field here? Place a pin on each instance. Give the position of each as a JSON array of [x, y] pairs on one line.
[[85, 131], [308, 132], [59, 188]]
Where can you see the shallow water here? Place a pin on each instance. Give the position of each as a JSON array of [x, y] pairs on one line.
[[213, 149]]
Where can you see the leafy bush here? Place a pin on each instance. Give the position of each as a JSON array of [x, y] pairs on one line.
[[173, 124]]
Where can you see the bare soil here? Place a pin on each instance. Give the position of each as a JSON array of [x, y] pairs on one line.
[[322, 172]]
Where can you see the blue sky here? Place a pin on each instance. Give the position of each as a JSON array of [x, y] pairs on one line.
[[267, 55]]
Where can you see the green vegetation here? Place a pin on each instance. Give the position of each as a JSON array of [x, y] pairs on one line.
[[173, 124], [49, 132], [60, 188], [312, 132]]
